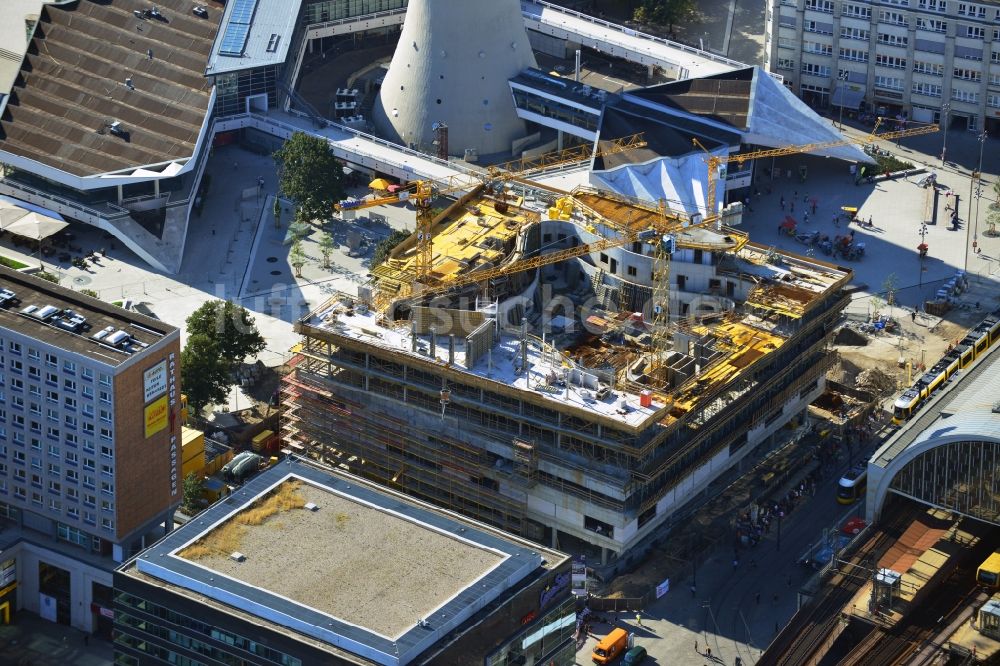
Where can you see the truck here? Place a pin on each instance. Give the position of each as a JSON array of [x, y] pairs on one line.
[[612, 647]]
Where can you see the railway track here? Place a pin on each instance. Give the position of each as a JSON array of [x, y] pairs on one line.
[[809, 629]]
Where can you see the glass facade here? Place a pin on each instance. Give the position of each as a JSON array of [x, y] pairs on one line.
[[548, 640], [332, 10], [143, 619], [961, 476], [232, 89]]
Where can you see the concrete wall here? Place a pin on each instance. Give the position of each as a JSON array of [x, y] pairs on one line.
[[82, 577]]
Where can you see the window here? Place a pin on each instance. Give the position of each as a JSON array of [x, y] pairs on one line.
[[72, 476], [72, 439], [818, 27], [88, 446], [928, 68], [106, 397], [896, 18], [73, 512], [55, 487], [107, 487], [786, 63], [972, 31], [71, 534], [888, 82], [993, 101], [995, 56], [107, 470], [69, 385], [107, 523], [967, 74], [89, 500], [33, 354], [939, 6], [36, 498], [105, 379], [69, 367], [70, 422], [820, 5], [106, 434], [14, 347], [89, 517], [994, 81], [934, 25], [35, 409], [631, 270], [890, 61], [34, 372], [88, 464], [52, 415], [965, 96], [815, 47], [87, 392], [88, 482], [50, 360], [87, 374], [69, 403], [854, 33], [974, 11], [816, 70], [88, 428], [19, 493], [857, 55], [892, 40], [857, 11], [899, 3], [54, 452], [16, 384], [88, 411], [107, 505], [52, 379]]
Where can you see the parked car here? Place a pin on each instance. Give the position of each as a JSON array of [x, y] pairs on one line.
[[636, 655]]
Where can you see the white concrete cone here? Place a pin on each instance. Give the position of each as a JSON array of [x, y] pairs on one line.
[[452, 65]]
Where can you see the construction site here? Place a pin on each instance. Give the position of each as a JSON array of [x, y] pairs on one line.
[[571, 367]]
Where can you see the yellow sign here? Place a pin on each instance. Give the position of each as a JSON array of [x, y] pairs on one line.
[[156, 416]]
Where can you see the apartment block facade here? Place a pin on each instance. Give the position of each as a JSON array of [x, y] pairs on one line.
[[89, 430], [924, 59]]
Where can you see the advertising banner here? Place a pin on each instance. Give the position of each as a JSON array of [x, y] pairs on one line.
[[156, 416], [154, 382]]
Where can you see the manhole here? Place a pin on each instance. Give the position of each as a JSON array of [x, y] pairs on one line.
[[272, 260], [275, 272], [81, 280]]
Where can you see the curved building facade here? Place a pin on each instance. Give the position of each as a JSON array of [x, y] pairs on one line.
[[452, 65]]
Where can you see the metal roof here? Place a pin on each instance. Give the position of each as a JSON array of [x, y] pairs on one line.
[[93, 63], [253, 33]]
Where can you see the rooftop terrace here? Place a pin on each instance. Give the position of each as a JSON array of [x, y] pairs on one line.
[[68, 320], [93, 63], [353, 574]]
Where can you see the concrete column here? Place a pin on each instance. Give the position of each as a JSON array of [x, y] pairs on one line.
[[604, 556], [156, 187], [120, 195], [559, 139], [650, 71], [555, 539]]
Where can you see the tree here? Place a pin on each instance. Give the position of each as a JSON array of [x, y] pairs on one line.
[[206, 375], [297, 257], [310, 175], [665, 12], [230, 327], [192, 494], [326, 247], [385, 246]]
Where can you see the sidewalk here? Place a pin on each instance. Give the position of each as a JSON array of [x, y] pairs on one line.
[[32, 641]]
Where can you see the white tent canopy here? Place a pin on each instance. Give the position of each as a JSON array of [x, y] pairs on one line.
[[24, 219]]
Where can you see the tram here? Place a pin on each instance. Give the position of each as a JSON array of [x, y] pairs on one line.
[[988, 573], [972, 346], [852, 485]]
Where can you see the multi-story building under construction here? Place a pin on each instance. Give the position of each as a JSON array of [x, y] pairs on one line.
[[560, 403]]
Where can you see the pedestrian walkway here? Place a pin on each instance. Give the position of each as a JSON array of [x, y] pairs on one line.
[[32, 641]]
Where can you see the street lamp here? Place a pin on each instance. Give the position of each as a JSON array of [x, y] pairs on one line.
[[976, 181], [843, 78], [920, 254], [945, 110]]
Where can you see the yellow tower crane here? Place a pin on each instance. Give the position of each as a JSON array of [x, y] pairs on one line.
[[714, 161]]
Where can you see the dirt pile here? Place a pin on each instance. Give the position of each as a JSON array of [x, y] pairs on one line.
[[875, 380], [848, 337]]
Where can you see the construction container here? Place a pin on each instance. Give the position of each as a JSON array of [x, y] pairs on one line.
[[192, 452], [646, 399], [265, 442], [214, 489]]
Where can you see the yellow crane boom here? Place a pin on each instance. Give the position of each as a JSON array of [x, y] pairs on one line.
[[714, 161]]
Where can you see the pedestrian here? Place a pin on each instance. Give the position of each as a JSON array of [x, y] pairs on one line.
[[736, 564], [696, 645], [236, 165], [836, 220], [693, 591], [708, 652], [782, 202], [774, 599], [805, 198], [756, 598], [791, 206], [913, 316], [86, 640], [805, 217], [789, 580], [814, 206], [638, 619]]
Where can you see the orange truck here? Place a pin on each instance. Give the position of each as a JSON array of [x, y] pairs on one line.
[[611, 647]]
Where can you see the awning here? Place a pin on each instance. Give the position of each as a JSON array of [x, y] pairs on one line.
[[847, 96], [29, 221]]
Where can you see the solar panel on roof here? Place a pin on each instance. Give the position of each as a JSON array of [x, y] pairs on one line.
[[234, 41]]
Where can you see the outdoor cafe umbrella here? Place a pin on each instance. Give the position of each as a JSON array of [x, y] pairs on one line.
[[379, 184], [10, 213], [33, 225]]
